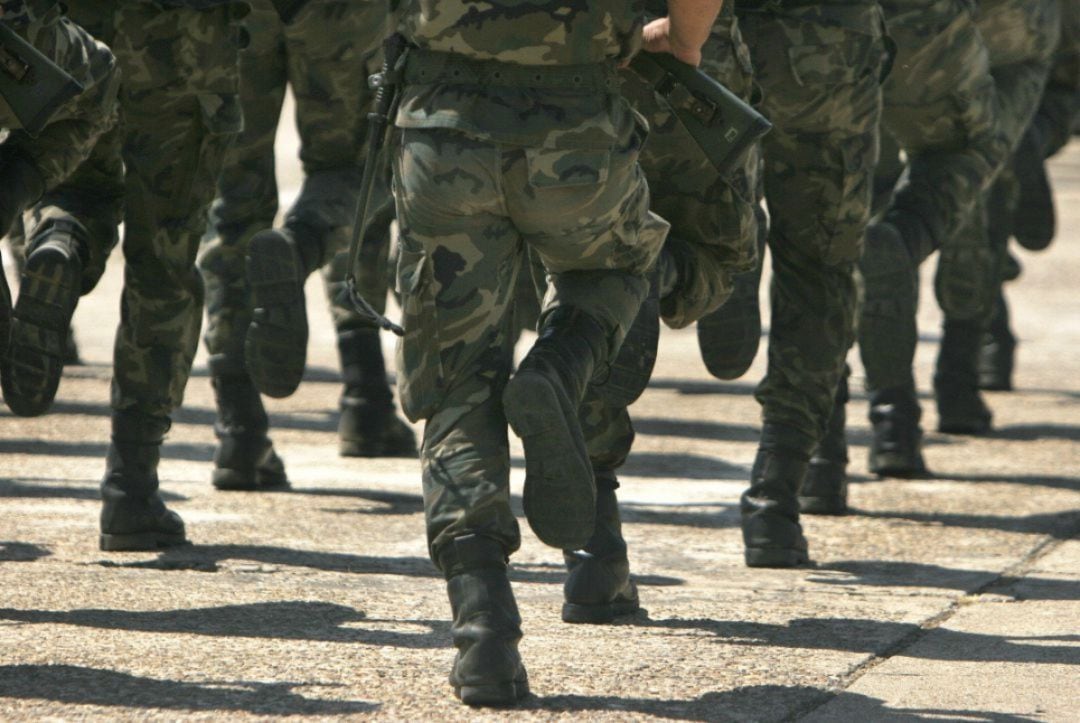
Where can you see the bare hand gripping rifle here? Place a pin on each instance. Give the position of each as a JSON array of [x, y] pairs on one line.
[[33, 86], [363, 247]]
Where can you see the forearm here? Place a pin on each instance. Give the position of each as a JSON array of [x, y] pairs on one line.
[[690, 23]]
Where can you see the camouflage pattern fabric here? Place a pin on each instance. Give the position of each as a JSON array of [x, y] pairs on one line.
[[1060, 106], [70, 136], [155, 171], [941, 109], [819, 66], [325, 55]]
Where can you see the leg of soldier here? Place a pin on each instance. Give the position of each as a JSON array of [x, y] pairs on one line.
[[181, 111], [819, 66], [333, 46], [824, 489], [1021, 37], [247, 201], [946, 123], [32, 165]]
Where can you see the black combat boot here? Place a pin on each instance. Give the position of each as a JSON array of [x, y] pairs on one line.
[[541, 404], [486, 629], [245, 457], [997, 350], [961, 409], [1034, 219], [824, 489], [133, 515], [729, 337], [279, 260], [23, 186], [896, 437], [598, 587], [369, 425], [48, 293], [770, 508]]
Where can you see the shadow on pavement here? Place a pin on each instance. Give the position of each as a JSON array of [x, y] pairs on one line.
[[288, 620], [1053, 482], [682, 466], [391, 503], [79, 685], [21, 552], [760, 702], [916, 574], [320, 421], [879, 637], [90, 491], [172, 450], [709, 516], [1059, 525], [695, 387], [1032, 432]]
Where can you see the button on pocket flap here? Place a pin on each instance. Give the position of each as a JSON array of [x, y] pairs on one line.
[[821, 65], [557, 168]]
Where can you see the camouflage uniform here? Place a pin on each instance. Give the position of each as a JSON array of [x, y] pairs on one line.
[[68, 138], [819, 64]]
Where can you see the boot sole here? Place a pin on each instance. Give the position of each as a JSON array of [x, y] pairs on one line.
[[232, 480], [560, 491], [498, 695], [598, 614], [831, 505], [965, 426], [275, 348], [888, 464], [775, 557], [40, 321], [140, 542]]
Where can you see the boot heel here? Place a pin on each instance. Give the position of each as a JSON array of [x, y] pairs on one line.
[[140, 542], [599, 614]]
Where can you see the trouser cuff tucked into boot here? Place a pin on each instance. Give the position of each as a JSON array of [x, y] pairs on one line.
[[824, 489], [770, 510]]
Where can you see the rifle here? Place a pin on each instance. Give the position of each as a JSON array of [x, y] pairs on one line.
[[383, 108], [723, 125], [34, 87]]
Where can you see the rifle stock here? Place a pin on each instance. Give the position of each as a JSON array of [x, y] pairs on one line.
[[33, 86]]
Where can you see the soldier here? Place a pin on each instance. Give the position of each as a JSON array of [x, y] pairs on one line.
[[29, 165], [1021, 37], [324, 54], [713, 235], [482, 171], [155, 172], [819, 64]]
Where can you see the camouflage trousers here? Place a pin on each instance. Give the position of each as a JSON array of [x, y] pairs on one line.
[[941, 109], [713, 225], [155, 172], [325, 56], [819, 65], [468, 210], [67, 140]]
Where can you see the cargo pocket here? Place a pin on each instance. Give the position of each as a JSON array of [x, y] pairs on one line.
[[420, 375], [566, 168]]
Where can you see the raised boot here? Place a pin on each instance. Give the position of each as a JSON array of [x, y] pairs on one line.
[[245, 457], [541, 404], [896, 437], [1034, 218], [598, 587], [824, 489], [487, 669], [369, 425], [997, 350], [729, 337], [41, 321], [133, 515], [279, 260], [771, 531], [961, 409]]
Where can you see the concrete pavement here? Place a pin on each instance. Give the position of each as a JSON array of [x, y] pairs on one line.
[[956, 597]]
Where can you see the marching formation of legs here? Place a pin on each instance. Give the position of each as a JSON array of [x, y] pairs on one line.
[[578, 169]]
